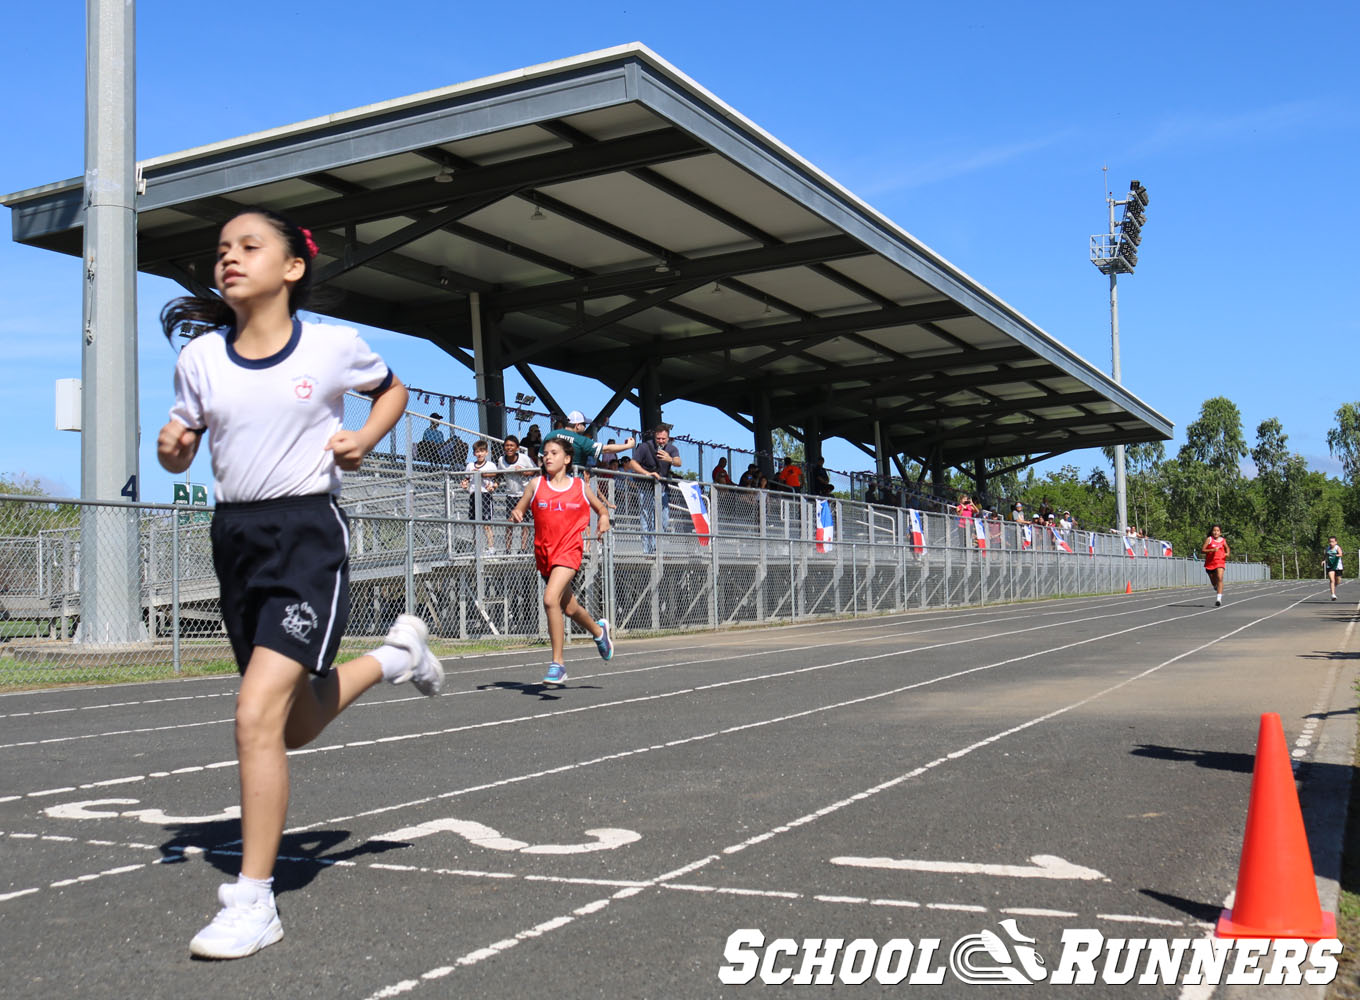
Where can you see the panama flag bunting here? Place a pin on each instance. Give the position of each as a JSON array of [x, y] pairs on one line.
[[826, 527], [918, 535], [698, 510], [1145, 547], [1091, 544], [1128, 546], [1026, 537], [981, 533], [1166, 548], [1060, 540]]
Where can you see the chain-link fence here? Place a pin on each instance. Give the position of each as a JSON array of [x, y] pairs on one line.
[[113, 591]]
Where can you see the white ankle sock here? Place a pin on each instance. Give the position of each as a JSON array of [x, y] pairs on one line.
[[395, 661], [262, 888]]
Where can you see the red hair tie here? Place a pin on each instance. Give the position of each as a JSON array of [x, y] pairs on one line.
[[311, 243]]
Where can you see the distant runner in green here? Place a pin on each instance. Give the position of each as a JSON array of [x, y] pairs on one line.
[[1333, 563]]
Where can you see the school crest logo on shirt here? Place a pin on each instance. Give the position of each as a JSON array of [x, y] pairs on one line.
[[303, 387], [299, 620]]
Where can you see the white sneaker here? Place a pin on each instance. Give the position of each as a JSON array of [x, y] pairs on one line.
[[240, 928], [426, 673], [1218, 600]]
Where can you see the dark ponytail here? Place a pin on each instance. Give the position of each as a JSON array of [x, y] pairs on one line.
[[196, 314]]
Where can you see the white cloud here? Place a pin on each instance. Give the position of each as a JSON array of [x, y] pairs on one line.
[[1200, 128], [917, 170]]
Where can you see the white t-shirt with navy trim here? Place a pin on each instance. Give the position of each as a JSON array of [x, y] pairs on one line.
[[268, 419]]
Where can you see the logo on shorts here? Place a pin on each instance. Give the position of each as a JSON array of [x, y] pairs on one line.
[[303, 387], [299, 620]]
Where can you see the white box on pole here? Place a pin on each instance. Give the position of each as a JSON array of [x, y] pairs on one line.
[[68, 404]]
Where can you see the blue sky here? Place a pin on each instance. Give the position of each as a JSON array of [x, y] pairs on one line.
[[981, 130]]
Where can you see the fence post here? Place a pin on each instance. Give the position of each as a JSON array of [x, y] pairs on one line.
[[713, 561], [762, 543], [410, 526], [174, 592]]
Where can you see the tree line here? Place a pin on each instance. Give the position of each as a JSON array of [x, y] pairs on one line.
[[1281, 516]]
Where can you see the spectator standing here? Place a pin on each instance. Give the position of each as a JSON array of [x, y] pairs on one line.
[[1018, 513], [749, 477], [432, 441], [871, 492], [656, 459], [481, 479], [720, 475], [516, 470], [791, 475], [821, 481], [532, 443]]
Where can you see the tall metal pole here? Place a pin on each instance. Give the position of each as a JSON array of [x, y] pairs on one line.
[[109, 560], [1120, 477]]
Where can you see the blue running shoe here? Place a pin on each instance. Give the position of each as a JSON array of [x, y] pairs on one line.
[[604, 643], [556, 675]]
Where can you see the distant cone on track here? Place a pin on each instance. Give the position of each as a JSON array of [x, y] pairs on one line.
[[1276, 891], [1128, 587]]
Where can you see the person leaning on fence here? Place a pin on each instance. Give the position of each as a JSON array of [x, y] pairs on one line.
[[656, 459], [749, 477], [790, 477], [821, 481], [572, 429], [561, 505], [268, 390]]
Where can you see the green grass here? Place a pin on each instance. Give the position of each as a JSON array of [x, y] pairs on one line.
[[20, 629], [28, 676]]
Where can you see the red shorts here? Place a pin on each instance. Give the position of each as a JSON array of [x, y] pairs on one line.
[[566, 553]]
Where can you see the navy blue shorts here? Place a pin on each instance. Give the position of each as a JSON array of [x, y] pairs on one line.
[[283, 569]]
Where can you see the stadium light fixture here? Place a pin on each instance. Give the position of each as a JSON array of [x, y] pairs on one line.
[[1114, 253]]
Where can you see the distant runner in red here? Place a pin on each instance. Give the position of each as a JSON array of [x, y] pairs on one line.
[[1216, 554]]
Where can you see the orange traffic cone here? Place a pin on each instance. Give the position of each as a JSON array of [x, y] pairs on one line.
[[1276, 892], [1128, 587]]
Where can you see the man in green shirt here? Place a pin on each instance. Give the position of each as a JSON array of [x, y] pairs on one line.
[[572, 430]]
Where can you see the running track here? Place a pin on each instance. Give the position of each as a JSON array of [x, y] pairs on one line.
[[605, 839]]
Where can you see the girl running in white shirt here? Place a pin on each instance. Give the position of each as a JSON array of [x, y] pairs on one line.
[[268, 389]]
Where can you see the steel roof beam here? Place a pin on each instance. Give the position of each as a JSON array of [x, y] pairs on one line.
[[710, 268]]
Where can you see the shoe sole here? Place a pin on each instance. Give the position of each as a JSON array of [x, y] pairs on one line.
[[431, 687], [418, 625], [609, 653], [272, 935], [560, 682]]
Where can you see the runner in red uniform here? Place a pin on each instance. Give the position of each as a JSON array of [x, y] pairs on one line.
[[1216, 554], [562, 505]]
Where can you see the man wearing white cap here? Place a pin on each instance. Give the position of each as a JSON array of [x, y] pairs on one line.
[[572, 430]]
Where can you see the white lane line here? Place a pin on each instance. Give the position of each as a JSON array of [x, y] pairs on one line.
[[963, 616], [539, 716], [380, 702], [180, 853], [481, 954]]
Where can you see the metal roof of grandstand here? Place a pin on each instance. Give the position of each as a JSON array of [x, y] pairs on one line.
[[610, 213]]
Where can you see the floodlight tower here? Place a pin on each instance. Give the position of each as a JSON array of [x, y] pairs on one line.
[[1114, 253]]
